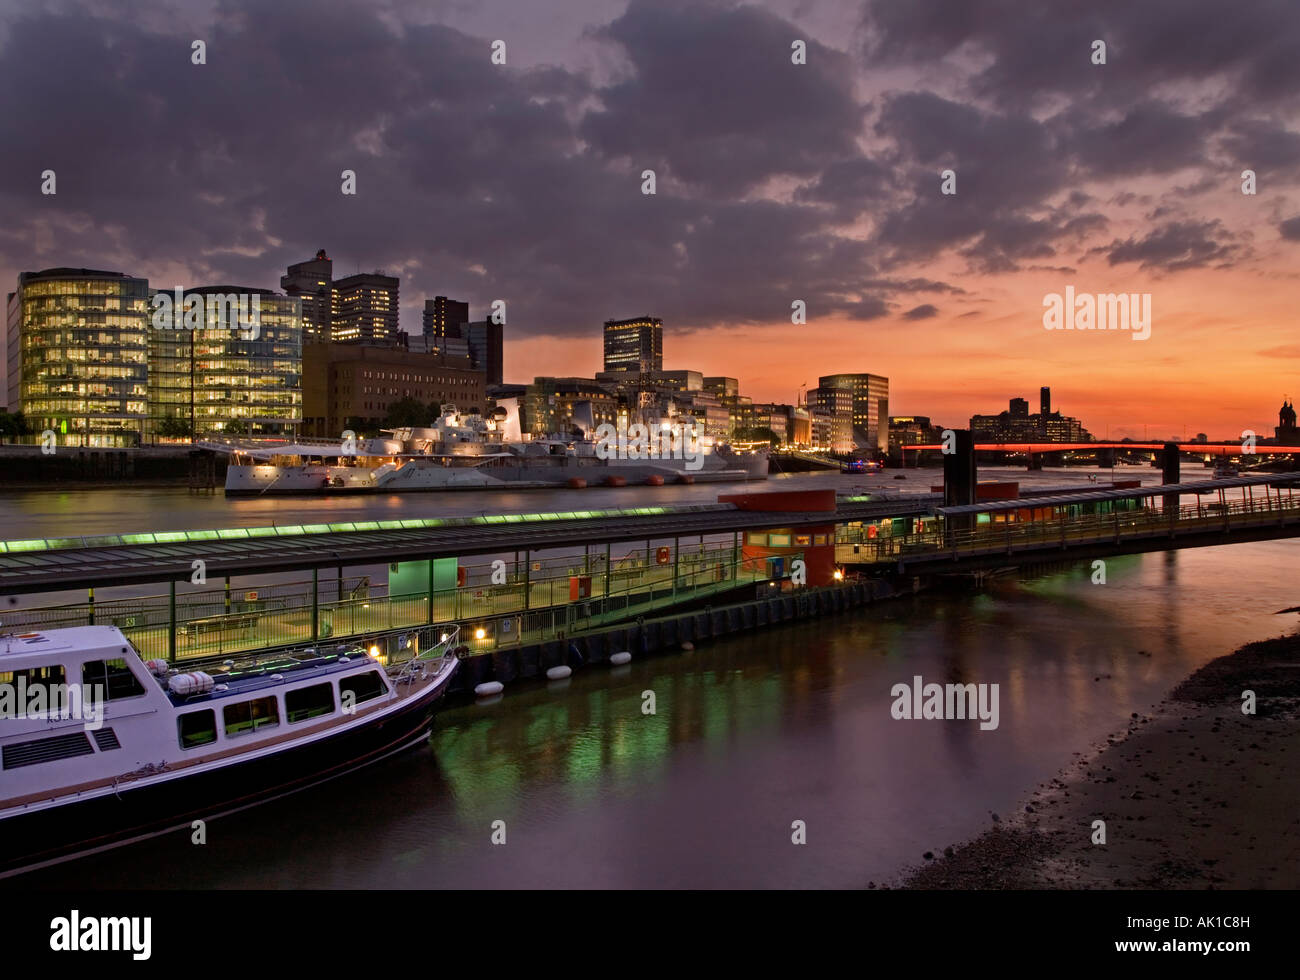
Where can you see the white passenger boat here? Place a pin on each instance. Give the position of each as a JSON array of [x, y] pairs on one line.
[[100, 748]]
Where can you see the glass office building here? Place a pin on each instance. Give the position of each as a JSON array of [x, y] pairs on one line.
[[634, 345], [870, 407], [219, 380], [81, 340]]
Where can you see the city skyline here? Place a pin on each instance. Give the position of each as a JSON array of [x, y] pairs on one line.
[[816, 182]]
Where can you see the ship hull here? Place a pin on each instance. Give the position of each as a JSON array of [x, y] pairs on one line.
[[134, 812], [542, 472]]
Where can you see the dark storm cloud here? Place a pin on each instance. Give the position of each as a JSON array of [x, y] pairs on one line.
[[474, 179], [1290, 229], [1034, 51], [483, 182], [1177, 245], [717, 101]]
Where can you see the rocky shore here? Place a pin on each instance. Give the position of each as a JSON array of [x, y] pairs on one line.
[[1198, 794]]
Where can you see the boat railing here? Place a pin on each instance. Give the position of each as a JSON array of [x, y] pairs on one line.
[[424, 646]]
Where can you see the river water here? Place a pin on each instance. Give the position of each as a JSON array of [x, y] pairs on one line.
[[748, 735]]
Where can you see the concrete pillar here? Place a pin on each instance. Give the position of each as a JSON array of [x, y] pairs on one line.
[[959, 478], [1170, 463]]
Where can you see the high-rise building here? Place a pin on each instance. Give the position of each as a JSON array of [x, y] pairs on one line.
[[443, 317], [1017, 426], [634, 345], [313, 283], [485, 341], [77, 355], [870, 408], [10, 349], [1045, 400], [365, 310], [221, 380], [836, 401]]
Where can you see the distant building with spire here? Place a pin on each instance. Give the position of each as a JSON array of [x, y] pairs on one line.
[[1286, 433]]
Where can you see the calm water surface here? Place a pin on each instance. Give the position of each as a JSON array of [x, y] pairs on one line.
[[750, 733]]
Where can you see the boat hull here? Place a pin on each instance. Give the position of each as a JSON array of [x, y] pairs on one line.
[[542, 472], [42, 837]]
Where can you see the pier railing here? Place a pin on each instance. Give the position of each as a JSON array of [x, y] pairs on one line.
[[536, 601], [1010, 536]]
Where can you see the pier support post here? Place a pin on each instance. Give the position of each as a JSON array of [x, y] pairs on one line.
[[528, 567], [608, 574], [1170, 463], [227, 595], [432, 592], [315, 604], [677, 546], [171, 621], [90, 607], [959, 482]]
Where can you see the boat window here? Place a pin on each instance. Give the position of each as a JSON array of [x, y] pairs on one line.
[[308, 702], [112, 677], [361, 687], [34, 678], [251, 716], [197, 728]]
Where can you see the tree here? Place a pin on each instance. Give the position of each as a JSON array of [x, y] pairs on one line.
[[407, 412], [12, 424], [236, 427], [756, 434], [174, 427]]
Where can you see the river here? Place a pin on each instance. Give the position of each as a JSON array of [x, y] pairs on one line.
[[749, 734]]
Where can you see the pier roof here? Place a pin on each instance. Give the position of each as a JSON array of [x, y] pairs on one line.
[[52, 564]]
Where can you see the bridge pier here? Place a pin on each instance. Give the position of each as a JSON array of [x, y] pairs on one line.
[[959, 478], [1170, 465]]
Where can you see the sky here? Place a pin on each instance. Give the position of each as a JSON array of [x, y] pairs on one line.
[[775, 181]]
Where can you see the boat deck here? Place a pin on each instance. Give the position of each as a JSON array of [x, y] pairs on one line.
[[243, 676]]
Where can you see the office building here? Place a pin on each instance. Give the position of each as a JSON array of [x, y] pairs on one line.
[[1016, 426], [365, 310], [870, 408], [77, 355], [312, 282], [442, 317], [635, 345], [485, 346], [220, 380], [555, 406], [353, 386], [838, 402]]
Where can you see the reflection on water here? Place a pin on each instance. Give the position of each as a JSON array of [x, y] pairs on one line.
[[750, 734]]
